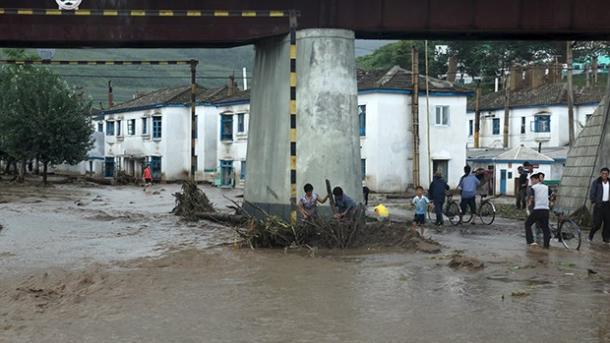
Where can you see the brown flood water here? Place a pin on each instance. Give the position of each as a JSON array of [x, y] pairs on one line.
[[194, 292]]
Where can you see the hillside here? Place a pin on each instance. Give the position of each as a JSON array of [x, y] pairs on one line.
[[215, 66]]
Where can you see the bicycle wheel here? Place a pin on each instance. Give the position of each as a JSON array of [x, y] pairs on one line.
[[569, 234], [487, 212], [453, 213]]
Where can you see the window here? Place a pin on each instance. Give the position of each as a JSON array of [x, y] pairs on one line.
[[241, 122], [109, 128], [362, 119], [442, 116], [363, 168], [496, 126], [226, 127], [118, 128], [542, 123], [470, 127], [522, 125], [131, 127], [156, 127], [242, 172], [196, 131], [100, 127], [144, 126]]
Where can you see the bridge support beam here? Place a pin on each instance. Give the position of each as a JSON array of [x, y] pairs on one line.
[[328, 143]]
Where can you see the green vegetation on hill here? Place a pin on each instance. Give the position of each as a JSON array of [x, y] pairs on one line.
[[215, 66]]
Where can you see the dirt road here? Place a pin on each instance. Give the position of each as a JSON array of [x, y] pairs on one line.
[[103, 264]]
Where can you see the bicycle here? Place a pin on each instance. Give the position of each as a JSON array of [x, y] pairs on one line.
[[451, 211], [565, 231], [486, 212]]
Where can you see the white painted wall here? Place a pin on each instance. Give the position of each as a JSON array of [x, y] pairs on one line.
[[236, 149], [207, 142], [559, 135]]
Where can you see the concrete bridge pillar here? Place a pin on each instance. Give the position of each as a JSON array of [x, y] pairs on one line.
[[328, 143]]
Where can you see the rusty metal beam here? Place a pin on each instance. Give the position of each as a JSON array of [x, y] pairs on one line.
[[391, 19]]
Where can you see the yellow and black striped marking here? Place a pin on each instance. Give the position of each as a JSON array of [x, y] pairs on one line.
[[95, 62], [148, 13], [293, 118]]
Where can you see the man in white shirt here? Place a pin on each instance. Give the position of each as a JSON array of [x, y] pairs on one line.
[[600, 199], [538, 202]]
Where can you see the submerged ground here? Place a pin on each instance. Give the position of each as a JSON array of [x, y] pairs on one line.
[[87, 263]]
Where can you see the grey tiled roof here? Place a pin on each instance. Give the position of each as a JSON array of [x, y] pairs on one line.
[[548, 94], [398, 78]]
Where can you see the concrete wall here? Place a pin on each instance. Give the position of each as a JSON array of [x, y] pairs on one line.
[[327, 123], [588, 155]]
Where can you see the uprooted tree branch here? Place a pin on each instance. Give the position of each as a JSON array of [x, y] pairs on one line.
[[263, 230]]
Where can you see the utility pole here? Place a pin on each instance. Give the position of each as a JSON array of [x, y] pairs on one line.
[[506, 108], [477, 115], [569, 62], [415, 112], [193, 118]]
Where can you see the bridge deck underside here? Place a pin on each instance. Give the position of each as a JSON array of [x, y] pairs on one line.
[[389, 19]]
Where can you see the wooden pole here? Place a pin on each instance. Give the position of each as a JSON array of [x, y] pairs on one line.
[[506, 109], [193, 118], [569, 62], [331, 198], [429, 159], [477, 115], [415, 112]]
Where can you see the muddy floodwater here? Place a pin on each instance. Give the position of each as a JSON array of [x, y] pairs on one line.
[[83, 263]]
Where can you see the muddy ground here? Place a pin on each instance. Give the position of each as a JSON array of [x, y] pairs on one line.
[[87, 263]]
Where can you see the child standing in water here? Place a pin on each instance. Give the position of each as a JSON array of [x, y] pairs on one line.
[[421, 206]]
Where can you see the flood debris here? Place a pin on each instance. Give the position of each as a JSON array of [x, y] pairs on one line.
[[519, 294], [459, 261], [191, 201]]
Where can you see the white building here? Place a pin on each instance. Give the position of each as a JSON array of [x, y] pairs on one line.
[[384, 99], [536, 116], [505, 165], [538, 120], [155, 129], [232, 116]]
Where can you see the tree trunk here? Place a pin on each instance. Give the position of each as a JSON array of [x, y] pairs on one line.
[[7, 168], [45, 165], [594, 67], [37, 166], [21, 177]]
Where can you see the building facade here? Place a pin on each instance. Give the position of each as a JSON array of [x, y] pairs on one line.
[[386, 130]]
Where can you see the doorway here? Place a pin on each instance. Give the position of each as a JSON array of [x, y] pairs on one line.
[[442, 166], [226, 173], [503, 181]]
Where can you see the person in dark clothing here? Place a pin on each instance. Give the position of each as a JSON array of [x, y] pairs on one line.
[[436, 194], [600, 199], [521, 189], [365, 193]]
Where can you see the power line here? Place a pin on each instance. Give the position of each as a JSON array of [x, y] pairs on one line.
[[145, 76]]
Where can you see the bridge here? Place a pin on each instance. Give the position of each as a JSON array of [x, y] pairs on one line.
[[221, 23], [309, 45]]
